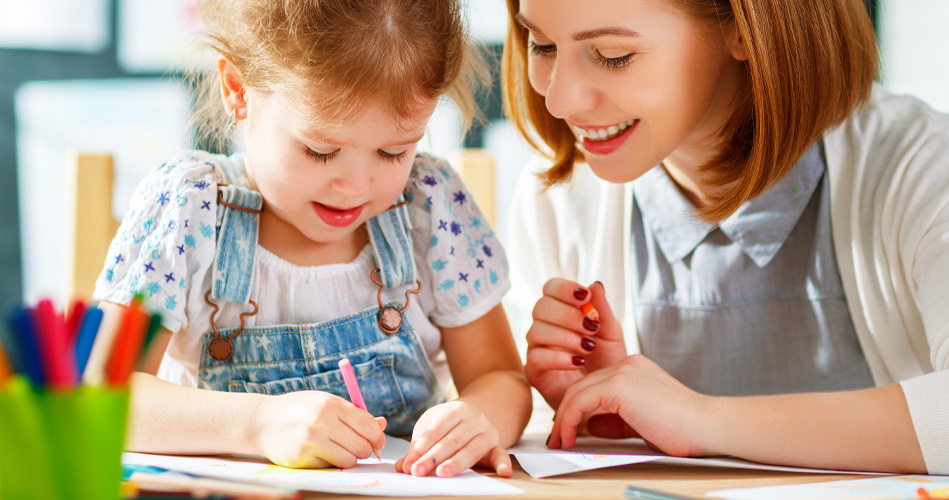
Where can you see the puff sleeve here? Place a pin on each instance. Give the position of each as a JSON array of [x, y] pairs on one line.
[[457, 253], [166, 240]]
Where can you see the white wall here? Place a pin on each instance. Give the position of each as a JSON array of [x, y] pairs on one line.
[[914, 40]]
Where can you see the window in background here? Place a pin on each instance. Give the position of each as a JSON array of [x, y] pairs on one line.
[[914, 43], [155, 37], [141, 122], [63, 25]]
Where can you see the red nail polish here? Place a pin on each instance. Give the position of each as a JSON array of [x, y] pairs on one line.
[[587, 344], [591, 325], [578, 360], [579, 293]]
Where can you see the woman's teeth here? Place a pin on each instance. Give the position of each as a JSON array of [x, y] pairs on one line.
[[602, 134]]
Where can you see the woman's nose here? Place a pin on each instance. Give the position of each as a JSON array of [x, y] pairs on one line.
[[570, 90]]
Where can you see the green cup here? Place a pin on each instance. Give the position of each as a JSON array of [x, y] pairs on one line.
[[57, 444]]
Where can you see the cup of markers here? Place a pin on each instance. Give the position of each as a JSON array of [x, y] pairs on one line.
[[61, 438]]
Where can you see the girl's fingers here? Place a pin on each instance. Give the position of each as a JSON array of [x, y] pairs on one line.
[[500, 461], [466, 456], [354, 444], [458, 438], [366, 427], [434, 432], [338, 450]]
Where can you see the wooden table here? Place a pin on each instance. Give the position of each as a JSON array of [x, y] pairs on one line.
[[611, 483]]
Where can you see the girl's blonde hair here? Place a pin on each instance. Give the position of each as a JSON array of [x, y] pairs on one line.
[[392, 52], [810, 65]]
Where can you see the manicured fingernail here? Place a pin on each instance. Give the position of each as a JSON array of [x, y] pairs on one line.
[[587, 344], [591, 325], [578, 360], [579, 293]]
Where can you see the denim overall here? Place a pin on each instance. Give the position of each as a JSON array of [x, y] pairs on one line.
[[393, 370]]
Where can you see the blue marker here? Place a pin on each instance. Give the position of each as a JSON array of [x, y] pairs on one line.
[[8, 337], [24, 328], [86, 337]]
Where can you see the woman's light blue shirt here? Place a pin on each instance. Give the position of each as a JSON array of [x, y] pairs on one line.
[[753, 305]]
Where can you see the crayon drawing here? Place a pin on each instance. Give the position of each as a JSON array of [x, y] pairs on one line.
[[368, 477]]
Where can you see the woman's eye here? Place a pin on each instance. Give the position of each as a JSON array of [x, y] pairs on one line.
[[614, 62], [541, 50], [320, 157], [393, 157]]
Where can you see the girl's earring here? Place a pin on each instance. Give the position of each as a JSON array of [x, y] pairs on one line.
[[232, 121]]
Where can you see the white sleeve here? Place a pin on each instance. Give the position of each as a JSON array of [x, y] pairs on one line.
[[924, 256], [533, 246]]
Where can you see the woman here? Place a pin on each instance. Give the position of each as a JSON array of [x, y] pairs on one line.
[[765, 222]]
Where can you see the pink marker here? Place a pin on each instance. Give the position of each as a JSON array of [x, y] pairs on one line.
[[352, 387]]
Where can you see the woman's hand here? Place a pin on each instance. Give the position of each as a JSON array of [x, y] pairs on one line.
[[314, 429], [452, 437], [563, 344], [634, 398]]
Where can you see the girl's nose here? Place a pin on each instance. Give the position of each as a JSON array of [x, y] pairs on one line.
[[352, 181]]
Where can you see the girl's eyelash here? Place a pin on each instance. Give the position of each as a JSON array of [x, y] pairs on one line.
[[394, 158], [541, 50], [325, 157], [614, 63], [320, 157]]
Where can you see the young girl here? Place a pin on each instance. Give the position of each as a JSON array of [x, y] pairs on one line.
[[772, 226], [327, 238]]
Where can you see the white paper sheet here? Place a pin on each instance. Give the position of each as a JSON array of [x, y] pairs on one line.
[[591, 453], [369, 477], [876, 488]]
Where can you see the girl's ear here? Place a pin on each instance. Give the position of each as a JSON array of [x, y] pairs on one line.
[[232, 88], [736, 43]]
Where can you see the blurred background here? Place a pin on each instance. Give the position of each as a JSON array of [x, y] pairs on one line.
[[105, 76]]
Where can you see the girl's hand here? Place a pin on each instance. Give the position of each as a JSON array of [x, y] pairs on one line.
[[563, 344], [452, 437], [314, 429], [650, 403]]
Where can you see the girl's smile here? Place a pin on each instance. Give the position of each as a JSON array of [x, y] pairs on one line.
[[337, 217]]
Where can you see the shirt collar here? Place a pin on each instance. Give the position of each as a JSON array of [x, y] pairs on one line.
[[760, 226]]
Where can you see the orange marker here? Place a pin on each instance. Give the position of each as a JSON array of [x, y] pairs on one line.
[[590, 312], [923, 494], [128, 344], [5, 370]]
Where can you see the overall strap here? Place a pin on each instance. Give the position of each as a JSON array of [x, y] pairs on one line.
[[238, 216], [392, 245]]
